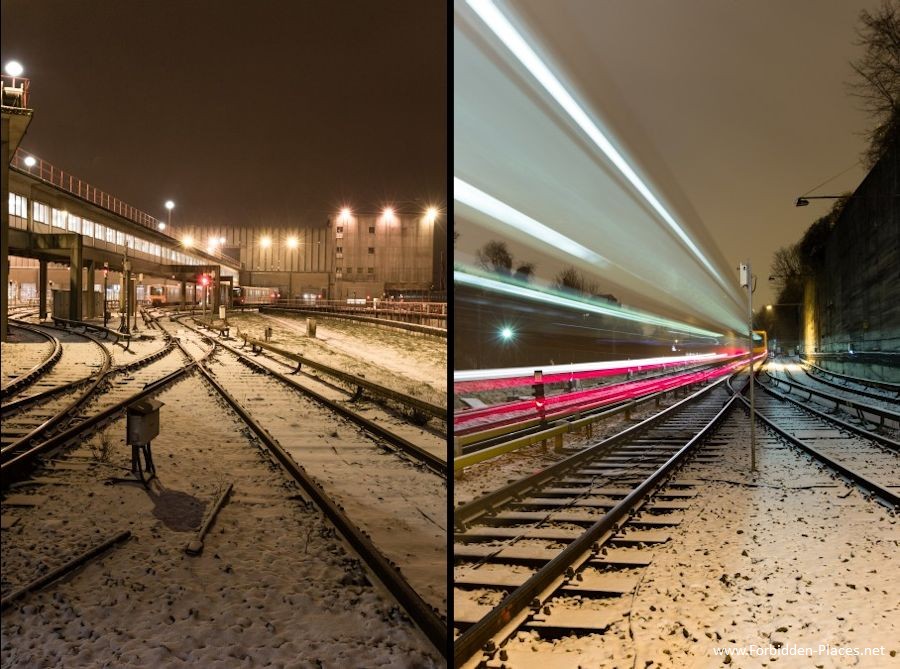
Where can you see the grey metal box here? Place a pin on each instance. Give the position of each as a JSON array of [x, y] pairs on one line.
[[143, 421]]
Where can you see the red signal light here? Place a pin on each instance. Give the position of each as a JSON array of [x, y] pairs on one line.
[[204, 280]]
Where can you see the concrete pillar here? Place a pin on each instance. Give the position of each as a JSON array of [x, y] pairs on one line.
[[91, 266], [183, 294], [76, 284], [42, 289]]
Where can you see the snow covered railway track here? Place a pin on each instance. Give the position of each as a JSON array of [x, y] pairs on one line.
[[864, 387], [811, 394], [865, 400], [28, 377], [869, 460], [429, 448], [60, 416], [276, 582], [547, 554], [390, 514]]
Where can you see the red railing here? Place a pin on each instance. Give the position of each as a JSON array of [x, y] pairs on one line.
[[15, 91], [46, 172]]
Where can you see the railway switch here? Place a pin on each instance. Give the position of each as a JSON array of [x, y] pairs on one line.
[[142, 428]]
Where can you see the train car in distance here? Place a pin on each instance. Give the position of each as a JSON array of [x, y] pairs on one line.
[[158, 296], [241, 295]]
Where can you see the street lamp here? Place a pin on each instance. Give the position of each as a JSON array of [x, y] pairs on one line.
[[265, 242], [292, 242], [30, 161], [187, 241], [169, 207], [506, 333], [14, 68], [431, 214]]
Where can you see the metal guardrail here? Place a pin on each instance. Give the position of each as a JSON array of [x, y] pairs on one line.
[[461, 461]]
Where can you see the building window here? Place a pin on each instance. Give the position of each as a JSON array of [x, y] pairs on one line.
[[371, 250], [99, 232], [371, 270], [74, 224], [371, 229], [349, 270], [339, 228], [359, 270], [338, 249], [120, 238], [41, 212], [18, 206], [111, 235], [87, 227], [59, 219]]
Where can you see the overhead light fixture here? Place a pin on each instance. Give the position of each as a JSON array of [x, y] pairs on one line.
[[265, 242], [161, 226], [14, 68], [30, 161]]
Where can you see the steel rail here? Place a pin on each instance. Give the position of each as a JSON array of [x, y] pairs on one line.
[[21, 403], [466, 513], [855, 391], [422, 614], [374, 388], [16, 466], [855, 429], [28, 378], [884, 385], [883, 493], [432, 461], [858, 406], [402, 325], [838, 401], [475, 638]]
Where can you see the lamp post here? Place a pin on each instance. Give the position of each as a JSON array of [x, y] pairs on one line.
[[105, 284], [747, 282], [170, 205]]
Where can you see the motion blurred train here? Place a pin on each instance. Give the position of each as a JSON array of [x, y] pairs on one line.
[[760, 343]]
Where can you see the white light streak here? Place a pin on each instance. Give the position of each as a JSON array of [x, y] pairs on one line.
[[535, 295], [487, 204], [514, 41]]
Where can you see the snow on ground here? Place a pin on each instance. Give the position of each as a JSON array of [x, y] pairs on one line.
[[786, 558], [412, 363], [273, 587], [21, 353], [492, 474]]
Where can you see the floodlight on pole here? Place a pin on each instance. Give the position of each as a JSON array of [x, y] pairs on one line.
[[506, 333], [388, 213], [345, 214], [30, 161], [292, 242], [169, 207], [14, 68], [431, 214], [265, 242]]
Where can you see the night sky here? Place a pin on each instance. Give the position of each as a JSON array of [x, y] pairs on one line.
[[734, 107], [254, 112]]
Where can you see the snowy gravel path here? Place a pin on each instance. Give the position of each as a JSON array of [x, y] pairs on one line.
[[784, 557]]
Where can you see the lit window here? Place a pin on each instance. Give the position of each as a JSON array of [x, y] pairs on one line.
[[59, 219], [41, 212], [99, 232], [18, 206], [120, 238], [111, 235], [74, 224], [87, 227]]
